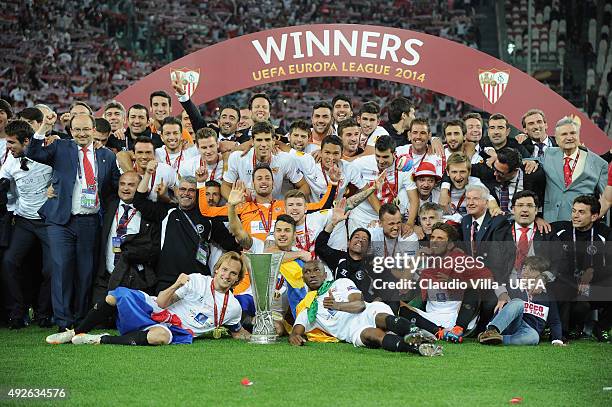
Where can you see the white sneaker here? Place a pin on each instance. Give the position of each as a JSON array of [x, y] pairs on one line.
[[429, 349], [60, 337], [87, 339]]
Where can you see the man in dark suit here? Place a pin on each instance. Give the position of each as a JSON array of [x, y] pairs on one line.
[[83, 179], [478, 225], [476, 228], [121, 220], [535, 126], [507, 177], [513, 241]]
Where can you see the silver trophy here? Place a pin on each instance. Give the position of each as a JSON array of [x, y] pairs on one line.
[[264, 270]]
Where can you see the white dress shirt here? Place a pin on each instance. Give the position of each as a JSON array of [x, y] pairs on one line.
[[579, 165], [530, 234], [4, 152], [536, 150], [515, 185], [133, 227], [31, 185], [80, 184]]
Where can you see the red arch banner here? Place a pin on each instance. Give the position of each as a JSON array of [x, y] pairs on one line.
[[366, 51]]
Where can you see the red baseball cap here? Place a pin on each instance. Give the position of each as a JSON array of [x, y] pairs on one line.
[[426, 168]]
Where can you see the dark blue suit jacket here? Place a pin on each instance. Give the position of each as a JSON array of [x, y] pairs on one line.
[[63, 157], [489, 225]]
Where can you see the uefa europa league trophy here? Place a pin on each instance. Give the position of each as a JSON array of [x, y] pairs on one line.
[[263, 269]]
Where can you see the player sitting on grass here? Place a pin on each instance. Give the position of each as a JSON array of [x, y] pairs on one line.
[[337, 308], [183, 311], [437, 309], [522, 320]]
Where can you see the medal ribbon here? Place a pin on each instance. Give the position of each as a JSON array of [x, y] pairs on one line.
[[267, 226], [214, 171], [218, 321], [389, 191], [308, 245], [385, 246], [177, 162]]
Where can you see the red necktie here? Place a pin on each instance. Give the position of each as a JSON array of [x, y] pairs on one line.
[[522, 250], [567, 171], [90, 178]]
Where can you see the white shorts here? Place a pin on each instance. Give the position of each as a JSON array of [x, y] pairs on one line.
[[366, 319]]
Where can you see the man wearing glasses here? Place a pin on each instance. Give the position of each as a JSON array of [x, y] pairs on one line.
[[516, 240], [83, 179], [509, 178], [186, 234]]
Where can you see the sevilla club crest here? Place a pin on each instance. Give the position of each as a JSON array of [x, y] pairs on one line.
[[493, 83], [189, 77]]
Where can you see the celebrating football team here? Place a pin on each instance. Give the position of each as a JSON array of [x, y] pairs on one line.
[[392, 238]]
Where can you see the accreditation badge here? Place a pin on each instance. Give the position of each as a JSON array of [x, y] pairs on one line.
[[202, 254], [116, 242], [88, 197]]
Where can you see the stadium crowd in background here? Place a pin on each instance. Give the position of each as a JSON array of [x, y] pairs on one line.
[[91, 51]]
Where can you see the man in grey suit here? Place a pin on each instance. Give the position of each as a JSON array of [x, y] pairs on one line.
[[570, 172]]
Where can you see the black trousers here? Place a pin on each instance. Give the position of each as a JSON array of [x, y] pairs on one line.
[[17, 279], [488, 301], [6, 226]]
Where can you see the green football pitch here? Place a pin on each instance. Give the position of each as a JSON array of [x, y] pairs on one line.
[[209, 373]]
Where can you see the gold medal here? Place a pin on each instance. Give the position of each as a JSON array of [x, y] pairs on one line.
[[217, 332]]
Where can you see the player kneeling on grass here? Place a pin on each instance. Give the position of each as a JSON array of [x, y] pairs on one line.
[[522, 320], [337, 308], [194, 305]]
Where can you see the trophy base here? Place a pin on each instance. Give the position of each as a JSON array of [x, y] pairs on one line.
[[263, 339]]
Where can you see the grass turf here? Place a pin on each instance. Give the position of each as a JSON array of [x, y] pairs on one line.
[[209, 372]]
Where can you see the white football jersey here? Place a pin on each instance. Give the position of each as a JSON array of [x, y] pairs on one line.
[[397, 186], [385, 247], [378, 131], [163, 173], [215, 171], [175, 160], [282, 166], [419, 158], [335, 323], [196, 306], [317, 179], [458, 195]]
